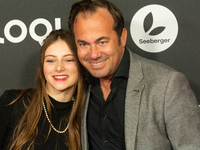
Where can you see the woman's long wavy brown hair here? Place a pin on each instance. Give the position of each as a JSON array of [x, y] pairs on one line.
[[27, 130]]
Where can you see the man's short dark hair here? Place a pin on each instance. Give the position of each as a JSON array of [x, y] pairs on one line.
[[91, 6]]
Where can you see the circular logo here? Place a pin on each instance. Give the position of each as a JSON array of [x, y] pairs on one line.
[[154, 28]]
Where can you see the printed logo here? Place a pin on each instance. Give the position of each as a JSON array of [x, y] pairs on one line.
[[31, 30], [154, 28]]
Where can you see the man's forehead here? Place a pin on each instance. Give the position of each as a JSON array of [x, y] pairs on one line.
[[89, 13]]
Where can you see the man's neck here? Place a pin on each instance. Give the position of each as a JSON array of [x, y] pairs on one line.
[[105, 87]]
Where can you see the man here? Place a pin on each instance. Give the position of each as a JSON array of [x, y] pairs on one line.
[[133, 102]]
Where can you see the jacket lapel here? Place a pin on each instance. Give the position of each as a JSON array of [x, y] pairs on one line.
[[132, 101], [84, 136]]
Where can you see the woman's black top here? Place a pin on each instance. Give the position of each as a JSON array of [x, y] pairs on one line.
[[11, 114]]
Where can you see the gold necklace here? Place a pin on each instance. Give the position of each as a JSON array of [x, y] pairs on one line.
[[50, 120]]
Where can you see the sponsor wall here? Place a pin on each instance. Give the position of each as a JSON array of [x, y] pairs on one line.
[[161, 30]]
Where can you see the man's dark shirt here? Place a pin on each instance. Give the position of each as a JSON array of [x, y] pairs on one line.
[[105, 119]]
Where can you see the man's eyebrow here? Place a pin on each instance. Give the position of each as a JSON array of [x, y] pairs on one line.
[[102, 38], [96, 41], [81, 41]]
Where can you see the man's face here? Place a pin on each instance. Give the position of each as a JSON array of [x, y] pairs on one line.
[[98, 45]]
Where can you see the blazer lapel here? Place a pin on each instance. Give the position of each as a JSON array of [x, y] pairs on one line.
[[84, 136], [132, 101]]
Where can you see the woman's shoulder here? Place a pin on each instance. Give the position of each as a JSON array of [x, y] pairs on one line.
[[10, 95], [12, 103]]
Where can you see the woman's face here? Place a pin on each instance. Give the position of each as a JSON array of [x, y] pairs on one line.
[[60, 68]]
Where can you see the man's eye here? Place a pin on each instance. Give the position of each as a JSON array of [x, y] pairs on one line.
[[102, 42], [83, 45]]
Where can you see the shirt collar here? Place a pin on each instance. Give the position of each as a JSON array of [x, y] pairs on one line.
[[123, 69]]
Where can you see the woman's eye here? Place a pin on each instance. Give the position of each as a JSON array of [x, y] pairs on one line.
[[69, 60], [50, 61]]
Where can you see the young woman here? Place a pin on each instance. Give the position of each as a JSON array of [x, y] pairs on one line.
[[46, 117]]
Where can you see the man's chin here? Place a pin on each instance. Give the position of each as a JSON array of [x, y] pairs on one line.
[[100, 74], [97, 74]]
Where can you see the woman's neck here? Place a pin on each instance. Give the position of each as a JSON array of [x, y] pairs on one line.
[[61, 96]]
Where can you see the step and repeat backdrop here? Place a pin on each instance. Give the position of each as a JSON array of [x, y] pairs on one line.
[[167, 31]]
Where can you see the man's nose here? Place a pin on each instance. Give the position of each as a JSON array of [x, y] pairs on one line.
[[94, 52]]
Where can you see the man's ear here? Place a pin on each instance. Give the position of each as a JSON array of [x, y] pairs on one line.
[[123, 37]]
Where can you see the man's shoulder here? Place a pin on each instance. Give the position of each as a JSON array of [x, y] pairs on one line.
[[149, 65]]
